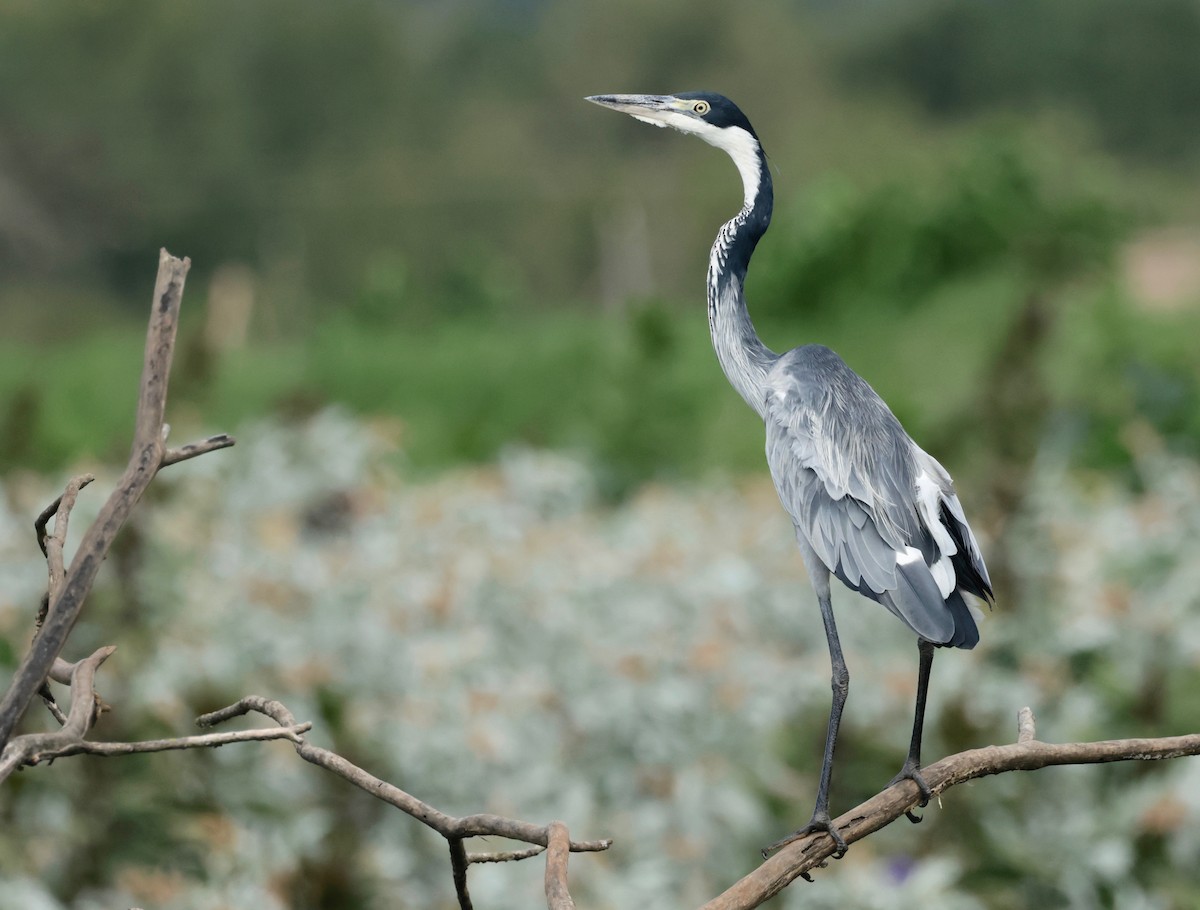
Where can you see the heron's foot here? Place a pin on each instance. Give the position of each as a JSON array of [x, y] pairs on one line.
[[912, 771], [819, 823]]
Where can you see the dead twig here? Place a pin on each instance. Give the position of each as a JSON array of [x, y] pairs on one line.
[[775, 874], [60, 511], [458, 871], [68, 589], [35, 747], [52, 548], [505, 856], [552, 838], [195, 449], [1026, 726], [1028, 754], [446, 825], [557, 852]]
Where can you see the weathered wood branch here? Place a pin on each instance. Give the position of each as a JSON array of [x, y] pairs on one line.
[[1027, 754], [52, 545], [85, 708], [449, 826], [772, 876], [36, 748], [558, 850], [68, 590]]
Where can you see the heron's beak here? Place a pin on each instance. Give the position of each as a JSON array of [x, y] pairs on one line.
[[653, 109]]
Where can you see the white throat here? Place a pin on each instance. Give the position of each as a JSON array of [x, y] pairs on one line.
[[743, 149], [733, 140]]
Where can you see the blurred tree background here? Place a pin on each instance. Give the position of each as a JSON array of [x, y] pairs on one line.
[[404, 212]]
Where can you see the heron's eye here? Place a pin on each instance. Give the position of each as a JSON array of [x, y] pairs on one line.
[[701, 107]]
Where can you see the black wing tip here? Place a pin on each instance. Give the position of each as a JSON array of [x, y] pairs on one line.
[[966, 630]]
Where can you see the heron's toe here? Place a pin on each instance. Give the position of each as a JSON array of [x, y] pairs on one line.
[[820, 823], [913, 772]]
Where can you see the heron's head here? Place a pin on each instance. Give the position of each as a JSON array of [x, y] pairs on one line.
[[712, 117], [708, 115]]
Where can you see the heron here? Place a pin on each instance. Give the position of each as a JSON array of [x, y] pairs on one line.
[[869, 506]]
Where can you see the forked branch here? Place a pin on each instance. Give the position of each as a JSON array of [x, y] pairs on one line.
[[771, 877], [36, 748], [454, 829], [68, 589]]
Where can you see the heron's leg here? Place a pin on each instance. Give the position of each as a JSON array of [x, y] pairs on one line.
[[820, 820], [912, 764]]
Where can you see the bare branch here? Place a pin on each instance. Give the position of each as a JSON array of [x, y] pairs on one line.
[[458, 869], [275, 710], [557, 852], [553, 836], [1026, 725], [194, 449], [811, 851], [52, 705], [34, 747], [52, 548], [446, 825], [507, 856], [775, 874], [60, 511], [205, 741], [65, 601]]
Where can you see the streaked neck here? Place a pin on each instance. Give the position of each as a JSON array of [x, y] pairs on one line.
[[741, 353]]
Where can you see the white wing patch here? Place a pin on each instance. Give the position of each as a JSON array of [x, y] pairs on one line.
[[929, 498]]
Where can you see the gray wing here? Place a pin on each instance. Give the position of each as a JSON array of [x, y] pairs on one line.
[[848, 475]]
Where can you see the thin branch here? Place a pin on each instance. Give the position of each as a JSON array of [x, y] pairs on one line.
[[458, 869], [811, 851], [275, 710], [446, 825], [52, 546], [1026, 725], [179, 743], [775, 874], [195, 449], [51, 705], [557, 853], [34, 747], [505, 856], [65, 601], [553, 836], [60, 511]]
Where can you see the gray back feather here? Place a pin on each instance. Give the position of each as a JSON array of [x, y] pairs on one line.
[[846, 471]]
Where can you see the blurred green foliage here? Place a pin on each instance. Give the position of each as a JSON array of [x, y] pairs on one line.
[[1131, 71], [900, 241], [895, 277], [424, 203]]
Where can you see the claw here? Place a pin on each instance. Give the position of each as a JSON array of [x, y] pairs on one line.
[[914, 774], [820, 823]]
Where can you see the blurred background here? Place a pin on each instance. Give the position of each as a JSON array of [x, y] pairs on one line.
[[495, 521]]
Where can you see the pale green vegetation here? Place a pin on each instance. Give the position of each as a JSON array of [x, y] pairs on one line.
[[497, 639]]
